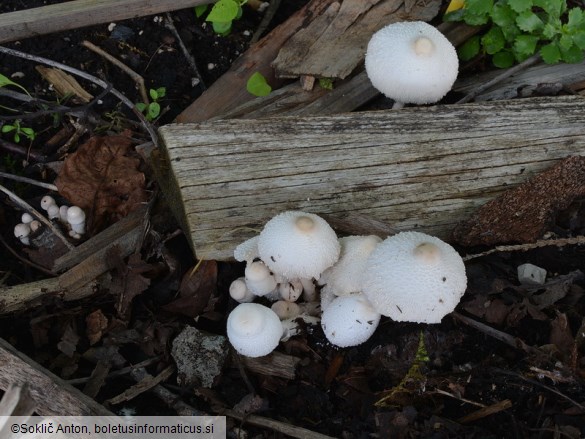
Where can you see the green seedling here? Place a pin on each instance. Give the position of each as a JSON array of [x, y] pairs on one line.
[[18, 130], [222, 14], [257, 85], [519, 29], [5, 81], [152, 110]]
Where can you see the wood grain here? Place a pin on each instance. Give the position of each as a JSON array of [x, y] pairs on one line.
[[79, 13], [414, 169]]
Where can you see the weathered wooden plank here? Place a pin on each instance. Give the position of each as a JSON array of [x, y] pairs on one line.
[[79, 13], [418, 168]]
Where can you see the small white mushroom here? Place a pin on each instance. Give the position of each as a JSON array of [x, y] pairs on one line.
[[414, 277], [285, 309], [240, 292], [22, 232], [291, 290], [349, 320], [253, 329], [411, 62], [63, 214], [76, 218], [259, 279], [298, 245], [26, 218], [47, 201], [53, 212], [34, 225]]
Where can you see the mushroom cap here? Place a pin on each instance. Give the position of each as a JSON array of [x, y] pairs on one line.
[[411, 62], [344, 277], [247, 250], [349, 320], [22, 230], [259, 279], [47, 201], [414, 277], [240, 292], [253, 329], [296, 244], [75, 215]]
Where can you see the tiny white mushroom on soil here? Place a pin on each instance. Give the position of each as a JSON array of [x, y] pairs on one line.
[[291, 290], [414, 277], [53, 212], [76, 218], [411, 62], [46, 202], [253, 329], [240, 292], [22, 232], [298, 245], [259, 279], [26, 218], [349, 320]]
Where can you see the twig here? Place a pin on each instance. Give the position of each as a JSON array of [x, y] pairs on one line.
[[13, 148], [486, 411], [117, 373], [135, 76], [268, 16], [24, 260], [467, 401], [49, 186], [145, 123], [24, 205], [502, 76], [530, 246], [169, 24], [515, 342]]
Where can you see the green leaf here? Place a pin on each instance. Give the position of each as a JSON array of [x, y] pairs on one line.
[[550, 30], [29, 132], [566, 41], [475, 19], [153, 94], [8, 128], [503, 15], [479, 7], [141, 106], [222, 28], [529, 21], [200, 10], [153, 111], [550, 53], [223, 11], [552, 7], [511, 32], [17, 137], [4, 81], [257, 85], [579, 39], [493, 41], [572, 55], [520, 5], [326, 83], [525, 45], [469, 49], [576, 19], [457, 15], [503, 59], [161, 92]]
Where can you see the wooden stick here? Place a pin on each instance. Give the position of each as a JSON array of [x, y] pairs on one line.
[[560, 242], [486, 411], [135, 76], [52, 395], [26, 180], [79, 13]]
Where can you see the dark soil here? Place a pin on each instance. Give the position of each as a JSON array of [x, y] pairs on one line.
[[335, 390]]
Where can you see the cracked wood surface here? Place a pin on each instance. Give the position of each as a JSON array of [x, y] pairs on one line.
[[420, 168]]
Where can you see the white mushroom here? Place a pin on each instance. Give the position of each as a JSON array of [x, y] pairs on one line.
[[298, 245], [253, 329], [63, 213], [22, 232], [247, 250], [26, 218], [414, 277], [291, 290], [53, 212], [344, 277], [411, 62], [47, 201], [76, 218], [240, 292], [285, 309], [349, 320], [259, 279]]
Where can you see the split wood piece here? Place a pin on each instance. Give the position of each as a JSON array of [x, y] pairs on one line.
[[90, 263], [79, 13], [524, 213], [421, 168], [538, 79], [64, 83], [16, 401], [229, 90], [145, 384], [276, 364], [52, 395], [333, 45]]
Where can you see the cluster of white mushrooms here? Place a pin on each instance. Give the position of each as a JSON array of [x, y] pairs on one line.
[[72, 218], [351, 281]]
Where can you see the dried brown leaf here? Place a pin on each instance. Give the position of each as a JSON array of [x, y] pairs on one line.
[[103, 178], [196, 290], [128, 281], [561, 335], [96, 323], [69, 340]]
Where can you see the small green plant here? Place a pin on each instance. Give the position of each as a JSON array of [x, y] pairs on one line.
[[5, 81], [326, 83], [152, 110], [222, 14], [521, 28], [18, 130], [257, 85]]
